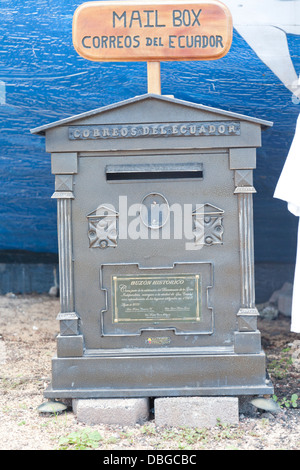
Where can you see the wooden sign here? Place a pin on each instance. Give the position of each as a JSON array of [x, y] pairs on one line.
[[152, 30]]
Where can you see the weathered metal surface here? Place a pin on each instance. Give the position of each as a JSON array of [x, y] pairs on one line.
[[136, 375], [171, 305]]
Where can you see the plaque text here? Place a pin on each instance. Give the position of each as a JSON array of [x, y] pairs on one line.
[[95, 132]]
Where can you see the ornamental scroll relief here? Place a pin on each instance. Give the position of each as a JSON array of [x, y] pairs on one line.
[[103, 223], [102, 227], [208, 225]]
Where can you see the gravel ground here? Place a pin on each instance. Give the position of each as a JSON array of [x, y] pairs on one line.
[[28, 329]]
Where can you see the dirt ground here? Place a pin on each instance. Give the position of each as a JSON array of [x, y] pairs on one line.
[[28, 329]]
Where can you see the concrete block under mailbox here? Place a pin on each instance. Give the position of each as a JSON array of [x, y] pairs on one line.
[[125, 412], [196, 412]]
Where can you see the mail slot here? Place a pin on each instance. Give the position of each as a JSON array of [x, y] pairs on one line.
[[155, 233], [153, 172]]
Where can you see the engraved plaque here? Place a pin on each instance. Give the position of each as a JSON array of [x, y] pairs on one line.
[[156, 298], [155, 130]]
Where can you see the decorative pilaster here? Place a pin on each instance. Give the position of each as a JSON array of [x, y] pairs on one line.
[[245, 208], [65, 250], [247, 339], [70, 342]]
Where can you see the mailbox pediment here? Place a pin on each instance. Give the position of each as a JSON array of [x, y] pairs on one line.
[[150, 108], [152, 122]]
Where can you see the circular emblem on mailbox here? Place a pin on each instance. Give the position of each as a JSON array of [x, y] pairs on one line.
[[154, 210]]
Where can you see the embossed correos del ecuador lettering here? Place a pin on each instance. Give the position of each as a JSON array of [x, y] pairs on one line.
[[152, 30]]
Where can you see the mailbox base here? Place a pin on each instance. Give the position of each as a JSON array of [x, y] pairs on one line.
[[159, 376]]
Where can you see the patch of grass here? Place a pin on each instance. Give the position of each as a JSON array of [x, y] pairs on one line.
[[192, 438], [287, 403], [279, 368], [11, 383], [185, 436], [80, 440], [177, 437], [228, 432]]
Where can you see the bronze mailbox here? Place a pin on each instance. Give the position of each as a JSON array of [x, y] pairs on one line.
[[155, 231]]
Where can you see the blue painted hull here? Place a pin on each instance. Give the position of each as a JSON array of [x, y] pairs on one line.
[[43, 79]]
